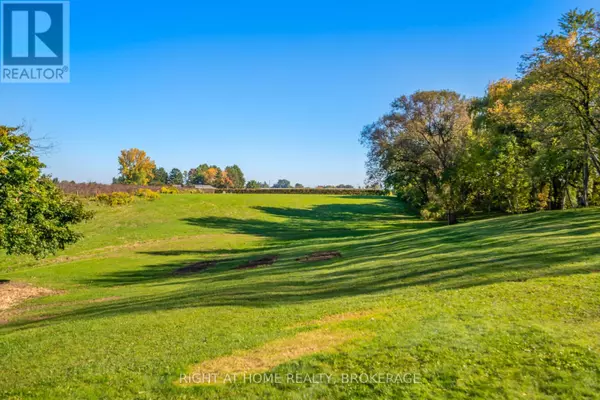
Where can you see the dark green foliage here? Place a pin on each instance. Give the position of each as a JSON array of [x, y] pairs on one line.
[[417, 148], [160, 177], [528, 144], [236, 176], [253, 184], [282, 184], [175, 177], [35, 216]]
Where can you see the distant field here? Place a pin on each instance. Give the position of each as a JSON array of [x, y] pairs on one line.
[[496, 308]]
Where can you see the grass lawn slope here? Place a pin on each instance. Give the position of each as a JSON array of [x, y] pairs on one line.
[[499, 308]]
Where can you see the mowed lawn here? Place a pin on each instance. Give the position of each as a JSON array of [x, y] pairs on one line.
[[507, 307]]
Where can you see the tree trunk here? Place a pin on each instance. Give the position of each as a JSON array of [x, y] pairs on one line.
[[452, 219], [568, 194], [583, 200], [558, 195]]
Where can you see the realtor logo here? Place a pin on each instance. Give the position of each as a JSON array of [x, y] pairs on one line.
[[34, 41]]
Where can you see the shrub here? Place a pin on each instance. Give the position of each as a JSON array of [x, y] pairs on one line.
[[168, 190], [542, 198], [147, 194], [115, 199], [432, 212]]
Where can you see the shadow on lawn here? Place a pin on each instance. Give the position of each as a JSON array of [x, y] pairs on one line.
[[336, 221], [506, 249]]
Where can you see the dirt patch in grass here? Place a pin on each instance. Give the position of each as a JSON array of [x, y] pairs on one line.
[[7, 316], [272, 354], [320, 256], [12, 293], [194, 268], [199, 266], [266, 260], [103, 299]]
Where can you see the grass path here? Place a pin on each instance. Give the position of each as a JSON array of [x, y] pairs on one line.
[[501, 308]]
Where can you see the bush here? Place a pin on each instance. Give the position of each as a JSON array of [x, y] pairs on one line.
[[147, 194], [168, 190], [542, 198], [115, 199], [432, 212]]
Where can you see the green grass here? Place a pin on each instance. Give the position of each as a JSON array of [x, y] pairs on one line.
[[499, 308]]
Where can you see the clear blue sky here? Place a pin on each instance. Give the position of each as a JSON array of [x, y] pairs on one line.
[[282, 88]]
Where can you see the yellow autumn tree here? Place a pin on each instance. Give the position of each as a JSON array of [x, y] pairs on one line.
[[136, 167]]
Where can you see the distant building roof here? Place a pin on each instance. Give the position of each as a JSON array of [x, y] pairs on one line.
[[204, 187]]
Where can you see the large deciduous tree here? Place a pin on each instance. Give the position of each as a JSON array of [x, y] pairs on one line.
[[563, 74], [35, 216], [415, 148], [136, 167]]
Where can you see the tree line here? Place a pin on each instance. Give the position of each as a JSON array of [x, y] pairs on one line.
[[529, 143], [137, 168]]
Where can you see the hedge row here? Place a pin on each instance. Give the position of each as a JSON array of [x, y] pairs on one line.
[[354, 192], [95, 189]]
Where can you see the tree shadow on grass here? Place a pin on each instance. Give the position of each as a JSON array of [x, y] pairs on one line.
[[454, 248], [319, 222], [510, 249]]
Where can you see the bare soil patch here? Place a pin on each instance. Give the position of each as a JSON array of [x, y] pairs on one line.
[[266, 260], [13, 293], [103, 299], [199, 266], [7, 316], [320, 256], [194, 268], [274, 353]]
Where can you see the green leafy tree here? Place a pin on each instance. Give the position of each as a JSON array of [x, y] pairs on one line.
[[502, 150], [198, 176], [563, 75], [35, 216], [175, 177], [253, 185], [282, 184], [236, 175], [161, 177], [416, 149], [299, 186]]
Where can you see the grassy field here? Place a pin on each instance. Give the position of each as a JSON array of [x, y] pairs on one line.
[[499, 308]]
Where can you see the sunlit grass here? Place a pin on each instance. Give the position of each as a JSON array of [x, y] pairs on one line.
[[494, 308]]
